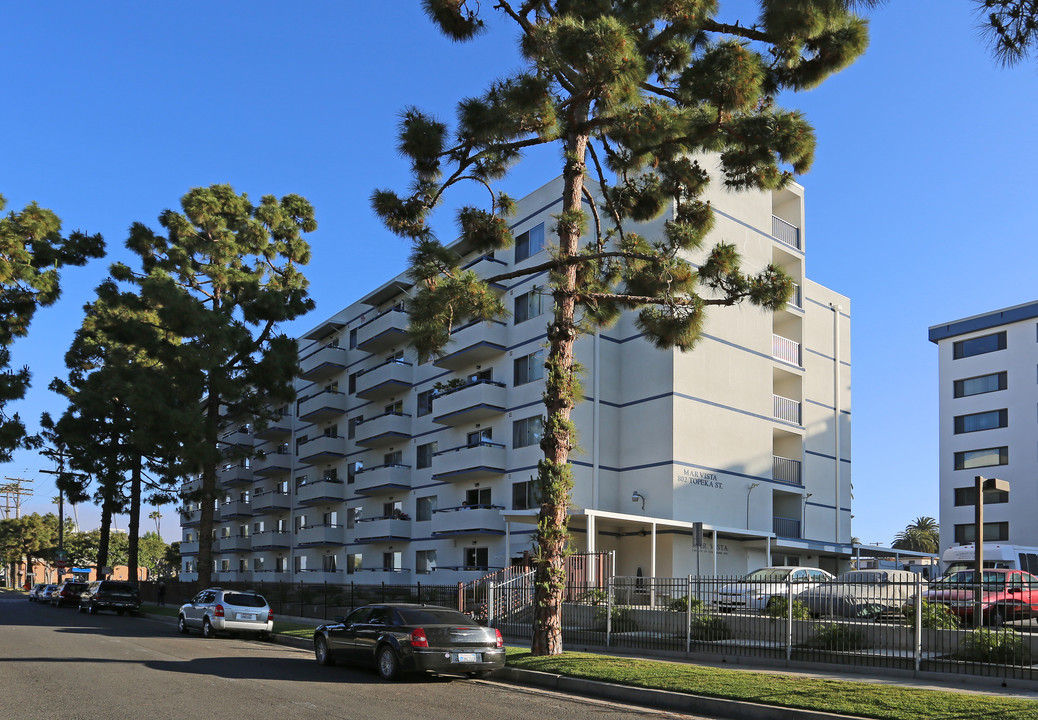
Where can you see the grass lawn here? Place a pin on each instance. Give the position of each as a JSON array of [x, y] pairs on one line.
[[836, 696]]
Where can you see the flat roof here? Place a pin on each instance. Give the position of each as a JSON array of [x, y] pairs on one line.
[[1005, 316]]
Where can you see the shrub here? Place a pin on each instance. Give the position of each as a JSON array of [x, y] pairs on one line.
[[594, 596], [621, 619], [779, 607], [710, 627], [1004, 647], [838, 637], [681, 604], [935, 616]]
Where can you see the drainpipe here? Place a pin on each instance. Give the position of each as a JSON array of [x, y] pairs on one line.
[[836, 410], [596, 388]]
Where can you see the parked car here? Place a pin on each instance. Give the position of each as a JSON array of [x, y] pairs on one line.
[[216, 610], [756, 590], [115, 595], [397, 638], [67, 593], [36, 591], [45, 594], [862, 594], [1005, 595]]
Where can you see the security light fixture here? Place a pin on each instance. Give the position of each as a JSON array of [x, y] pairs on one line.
[[636, 496]]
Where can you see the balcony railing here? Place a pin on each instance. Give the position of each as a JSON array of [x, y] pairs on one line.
[[324, 489], [236, 508], [266, 502], [235, 475], [786, 470], [785, 527], [322, 449], [470, 462], [785, 232], [322, 406], [468, 520], [786, 409], [271, 539], [390, 378], [321, 535], [474, 343], [786, 350], [473, 402], [383, 331], [382, 479], [235, 543], [325, 362], [381, 529], [273, 462], [385, 429]]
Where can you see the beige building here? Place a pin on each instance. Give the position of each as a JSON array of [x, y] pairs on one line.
[[389, 470]]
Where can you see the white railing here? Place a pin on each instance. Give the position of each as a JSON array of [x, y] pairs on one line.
[[786, 409], [785, 232], [785, 350], [786, 470]]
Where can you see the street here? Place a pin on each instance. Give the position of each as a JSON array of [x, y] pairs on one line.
[[58, 663]]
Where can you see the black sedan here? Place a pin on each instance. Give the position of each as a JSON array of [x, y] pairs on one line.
[[398, 638]]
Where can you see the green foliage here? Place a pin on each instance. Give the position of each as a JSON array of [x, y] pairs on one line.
[[778, 607], [1004, 647], [680, 604], [621, 619], [935, 616], [1011, 27], [921, 536], [594, 596], [709, 628], [838, 637]]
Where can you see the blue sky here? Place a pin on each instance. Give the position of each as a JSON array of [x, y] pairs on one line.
[[919, 205]]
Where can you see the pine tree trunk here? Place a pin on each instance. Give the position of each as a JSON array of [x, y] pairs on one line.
[[106, 531], [554, 472]]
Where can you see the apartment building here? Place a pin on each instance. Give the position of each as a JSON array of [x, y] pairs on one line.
[[987, 366], [389, 470]]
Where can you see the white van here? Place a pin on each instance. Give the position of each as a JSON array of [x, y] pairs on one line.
[[996, 555]]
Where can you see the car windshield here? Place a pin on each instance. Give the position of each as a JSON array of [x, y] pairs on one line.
[[425, 616], [966, 577], [244, 600], [768, 575], [862, 577]]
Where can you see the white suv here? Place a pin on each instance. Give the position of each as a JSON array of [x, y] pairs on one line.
[[217, 610]]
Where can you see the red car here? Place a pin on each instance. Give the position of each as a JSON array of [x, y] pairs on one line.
[[1005, 595]]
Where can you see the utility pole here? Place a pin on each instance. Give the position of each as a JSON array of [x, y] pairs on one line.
[[58, 455], [11, 494]]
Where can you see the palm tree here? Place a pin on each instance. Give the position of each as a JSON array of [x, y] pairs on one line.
[[921, 536], [156, 516]]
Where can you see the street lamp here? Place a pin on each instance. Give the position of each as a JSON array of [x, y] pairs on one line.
[[752, 485], [983, 485]]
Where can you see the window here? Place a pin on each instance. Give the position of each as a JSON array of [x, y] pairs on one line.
[[330, 519], [282, 488], [300, 522], [352, 516], [392, 560], [299, 443], [300, 481], [330, 475], [225, 565], [332, 431], [524, 495], [393, 458], [528, 368], [968, 496], [351, 382], [328, 563], [392, 509], [425, 455], [527, 431], [351, 471], [477, 558], [257, 564], [478, 437], [351, 426], [353, 339], [424, 508], [975, 422], [979, 345], [354, 562], [477, 496], [243, 565], [528, 305], [968, 459], [395, 408], [425, 401], [300, 563], [993, 532], [425, 561], [281, 564], [980, 384], [529, 243]]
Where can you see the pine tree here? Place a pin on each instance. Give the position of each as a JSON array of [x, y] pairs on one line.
[[32, 251], [1011, 27], [633, 94], [221, 279]]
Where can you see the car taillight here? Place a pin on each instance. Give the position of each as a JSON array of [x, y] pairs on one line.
[[500, 640], [270, 614], [219, 611], [418, 638]]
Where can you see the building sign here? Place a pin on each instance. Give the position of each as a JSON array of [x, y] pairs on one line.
[[691, 476]]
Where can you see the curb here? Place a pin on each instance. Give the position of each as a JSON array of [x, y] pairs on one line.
[[661, 699]]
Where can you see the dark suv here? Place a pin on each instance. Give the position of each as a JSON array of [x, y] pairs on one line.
[[110, 595], [67, 593]]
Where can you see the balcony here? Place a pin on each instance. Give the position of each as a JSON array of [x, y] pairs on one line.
[[378, 575], [796, 300], [322, 406], [268, 502], [486, 266], [276, 429], [324, 363], [786, 470], [785, 232], [470, 462], [243, 576], [190, 517], [234, 475], [392, 377], [785, 350], [235, 509], [385, 429], [381, 529], [236, 439], [189, 548], [382, 479], [786, 527], [271, 540], [473, 344], [322, 449], [274, 462], [314, 535], [314, 577], [786, 409], [323, 490], [383, 331], [470, 403], [234, 543], [468, 520]]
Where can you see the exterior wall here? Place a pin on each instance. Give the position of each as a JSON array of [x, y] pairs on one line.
[[694, 434], [1019, 361]]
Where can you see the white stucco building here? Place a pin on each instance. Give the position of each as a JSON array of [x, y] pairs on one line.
[[390, 470], [988, 424]]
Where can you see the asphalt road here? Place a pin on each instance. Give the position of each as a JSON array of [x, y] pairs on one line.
[[57, 663]]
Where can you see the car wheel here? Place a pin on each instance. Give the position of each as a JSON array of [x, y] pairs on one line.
[[479, 674], [92, 609], [263, 635], [321, 652], [207, 629], [996, 617], [182, 625], [388, 663], [82, 609]]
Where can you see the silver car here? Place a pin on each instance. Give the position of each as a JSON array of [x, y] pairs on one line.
[[215, 610], [863, 594], [755, 592]]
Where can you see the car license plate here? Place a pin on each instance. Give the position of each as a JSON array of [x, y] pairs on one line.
[[246, 616], [466, 657]]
